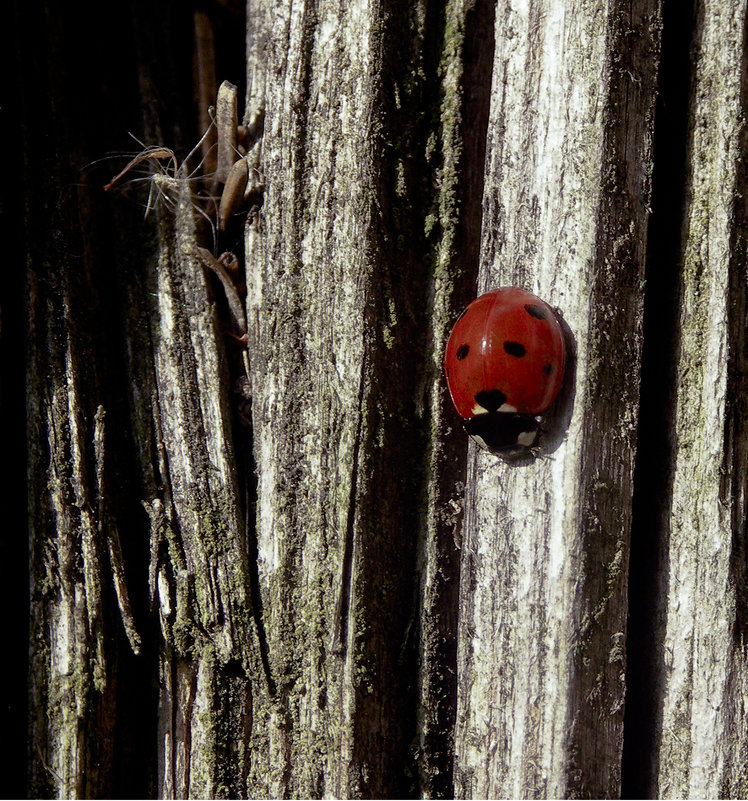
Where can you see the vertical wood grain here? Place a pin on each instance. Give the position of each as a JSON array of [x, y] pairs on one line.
[[545, 547]]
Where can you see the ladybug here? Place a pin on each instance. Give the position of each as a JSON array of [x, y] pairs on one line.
[[504, 365]]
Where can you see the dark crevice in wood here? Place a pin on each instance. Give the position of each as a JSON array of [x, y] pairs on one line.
[[298, 122], [342, 608], [653, 471], [478, 54], [439, 628], [244, 442], [605, 484], [15, 575], [232, 693], [734, 488], [228, 21], [392, 434]]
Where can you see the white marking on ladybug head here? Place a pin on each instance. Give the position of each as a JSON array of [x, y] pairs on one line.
[[507, 407], [526, 438], [478, 409]]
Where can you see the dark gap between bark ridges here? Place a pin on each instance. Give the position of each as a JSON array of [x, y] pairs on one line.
[[653, 469]]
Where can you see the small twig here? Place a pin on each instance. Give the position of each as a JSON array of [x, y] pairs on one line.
[[227, 123], [236, 308], [205, 78], [232, 196], [150, 153]]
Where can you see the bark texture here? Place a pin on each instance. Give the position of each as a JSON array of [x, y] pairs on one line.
[[700, 732], [74, 545], [541, 665], [327, 591], [350, 275], [199, 574]]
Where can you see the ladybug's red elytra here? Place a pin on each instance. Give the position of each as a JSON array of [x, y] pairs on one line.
[[504, 365]]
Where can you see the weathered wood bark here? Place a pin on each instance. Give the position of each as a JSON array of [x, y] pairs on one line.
[[541, 667], [75, 551], [199, 570], [345, 599], [159, 375], [698, 746], [350, 271]]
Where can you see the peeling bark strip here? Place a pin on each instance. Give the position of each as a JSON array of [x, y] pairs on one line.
[[701, 738], [545, 549], [210, 655], [71, 670], [73, 653]]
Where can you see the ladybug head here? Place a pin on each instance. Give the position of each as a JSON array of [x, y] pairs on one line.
[[503, 433]]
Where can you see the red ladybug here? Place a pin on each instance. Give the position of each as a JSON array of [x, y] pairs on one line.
[[505, 364]]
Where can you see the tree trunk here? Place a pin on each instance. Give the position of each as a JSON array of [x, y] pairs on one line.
[[327, 591]]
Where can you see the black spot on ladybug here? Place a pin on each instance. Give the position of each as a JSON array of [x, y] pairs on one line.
[[536, 311], [490, 399], [514, 349], [548, 369], [462, 351]]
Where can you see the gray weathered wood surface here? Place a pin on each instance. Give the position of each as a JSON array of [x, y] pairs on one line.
[[348, 305], [541, 662], [701, 740], [348, 600]]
